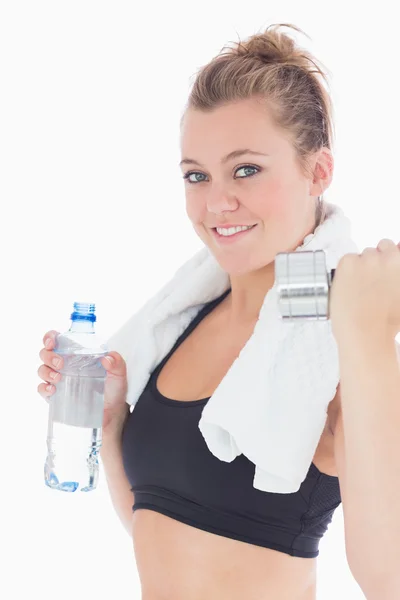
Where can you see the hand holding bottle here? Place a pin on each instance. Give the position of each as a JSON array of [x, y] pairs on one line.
[[115, 388]]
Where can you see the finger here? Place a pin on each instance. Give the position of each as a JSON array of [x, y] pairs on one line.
[[45, 392], [386, 244], [116, 366], [47, 357], [369, 250], [50, 338], [48, 375]]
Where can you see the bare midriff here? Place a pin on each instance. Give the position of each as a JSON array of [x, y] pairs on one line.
[[178, 562]]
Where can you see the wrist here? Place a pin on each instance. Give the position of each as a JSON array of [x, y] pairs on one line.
[[114, 425], [111, 447], [356, 334], [355, 341]]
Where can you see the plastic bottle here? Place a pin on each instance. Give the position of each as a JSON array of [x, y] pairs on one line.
[[74, 433]]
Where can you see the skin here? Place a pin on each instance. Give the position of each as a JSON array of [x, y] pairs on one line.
[[276, 195]]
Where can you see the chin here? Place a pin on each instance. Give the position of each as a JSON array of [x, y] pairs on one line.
[[238, 263], [237, 268]]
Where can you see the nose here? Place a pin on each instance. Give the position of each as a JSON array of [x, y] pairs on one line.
[[219, 201]]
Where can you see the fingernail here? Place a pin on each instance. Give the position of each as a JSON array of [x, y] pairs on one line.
[[48, 342], [111, 359]]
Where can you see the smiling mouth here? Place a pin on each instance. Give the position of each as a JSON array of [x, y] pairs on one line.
[[233, 236]]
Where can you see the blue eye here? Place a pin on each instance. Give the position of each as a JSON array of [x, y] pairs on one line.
[[247, 167], [256, 169], [187, 175]]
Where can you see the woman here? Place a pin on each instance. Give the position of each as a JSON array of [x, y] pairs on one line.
[[256, 141]]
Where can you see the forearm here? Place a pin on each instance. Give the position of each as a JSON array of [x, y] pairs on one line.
[[370, 398], [119, 487]]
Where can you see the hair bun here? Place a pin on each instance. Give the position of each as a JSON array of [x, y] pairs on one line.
[[270, 46]]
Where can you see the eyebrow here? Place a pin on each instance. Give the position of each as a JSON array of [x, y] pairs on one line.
[[229, 156]]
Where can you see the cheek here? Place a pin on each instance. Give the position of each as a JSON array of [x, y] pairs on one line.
[[195, 210], [270, 201]]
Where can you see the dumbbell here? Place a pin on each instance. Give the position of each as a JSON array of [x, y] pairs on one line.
[[303, 284]]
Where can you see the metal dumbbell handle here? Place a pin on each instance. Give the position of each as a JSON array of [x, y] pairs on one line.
[[303, 284]]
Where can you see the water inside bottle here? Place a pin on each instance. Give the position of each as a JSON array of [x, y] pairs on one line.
[[75, 433], [72, 460]]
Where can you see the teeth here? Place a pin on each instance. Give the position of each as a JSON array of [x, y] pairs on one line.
[[233, 230]]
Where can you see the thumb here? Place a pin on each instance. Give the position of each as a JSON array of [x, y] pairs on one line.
[[114, 364]]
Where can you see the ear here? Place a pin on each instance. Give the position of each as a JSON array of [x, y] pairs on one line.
[[323, 172]]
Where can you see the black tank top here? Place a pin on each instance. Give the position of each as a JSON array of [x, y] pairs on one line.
[[172, 471]]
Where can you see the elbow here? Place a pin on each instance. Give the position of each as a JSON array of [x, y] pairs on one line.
[[384, 587], [377, 574]]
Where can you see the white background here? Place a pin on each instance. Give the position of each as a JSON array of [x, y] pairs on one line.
[[92, 208]]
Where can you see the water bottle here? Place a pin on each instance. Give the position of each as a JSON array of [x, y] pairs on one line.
[[74, 432]]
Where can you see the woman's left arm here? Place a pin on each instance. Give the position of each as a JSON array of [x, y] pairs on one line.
[[367, 453], [365, 315]]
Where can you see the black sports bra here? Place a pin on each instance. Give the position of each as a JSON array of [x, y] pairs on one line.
[[172, 471]]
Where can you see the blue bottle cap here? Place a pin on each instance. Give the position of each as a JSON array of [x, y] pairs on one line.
[[84, 311]]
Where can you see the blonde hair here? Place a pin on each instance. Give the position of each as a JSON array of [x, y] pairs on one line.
[[271, 67]]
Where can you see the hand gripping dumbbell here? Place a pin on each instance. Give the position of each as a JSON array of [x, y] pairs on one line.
[[303, 284]]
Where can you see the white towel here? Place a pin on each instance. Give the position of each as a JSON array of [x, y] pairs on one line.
[[272, 404]]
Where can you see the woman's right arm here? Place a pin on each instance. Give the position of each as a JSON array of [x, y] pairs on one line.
[[118, 485]]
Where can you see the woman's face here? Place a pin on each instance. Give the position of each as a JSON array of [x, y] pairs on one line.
[[266, 189]]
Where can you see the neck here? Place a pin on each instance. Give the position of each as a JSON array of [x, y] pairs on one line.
[[247, 295]]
